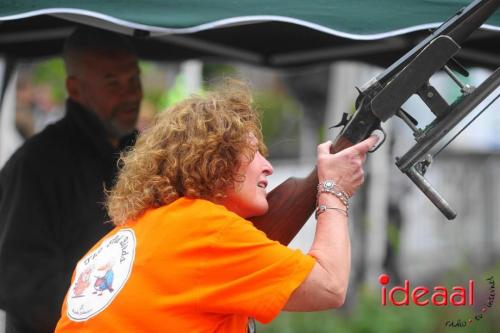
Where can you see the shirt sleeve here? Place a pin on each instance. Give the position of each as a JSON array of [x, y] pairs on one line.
[[244, 272]]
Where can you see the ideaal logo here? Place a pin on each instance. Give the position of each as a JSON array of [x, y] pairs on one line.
[[438, 296]]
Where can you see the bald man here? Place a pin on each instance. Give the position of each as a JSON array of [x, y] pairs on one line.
[[52, 188]]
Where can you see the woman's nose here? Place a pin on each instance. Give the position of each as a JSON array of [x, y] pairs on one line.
[[268, 168]]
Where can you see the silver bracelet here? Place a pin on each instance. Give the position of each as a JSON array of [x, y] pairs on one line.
[[329, 186], [323, 208]]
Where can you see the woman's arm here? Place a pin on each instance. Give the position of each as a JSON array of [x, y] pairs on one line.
[[326, 285]]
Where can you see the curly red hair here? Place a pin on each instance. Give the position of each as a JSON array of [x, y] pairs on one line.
[[194, 149]]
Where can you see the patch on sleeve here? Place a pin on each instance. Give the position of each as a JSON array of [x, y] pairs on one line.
[[100, 276]]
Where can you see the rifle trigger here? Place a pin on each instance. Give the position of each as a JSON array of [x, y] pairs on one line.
[[342, 122], [380, 142]]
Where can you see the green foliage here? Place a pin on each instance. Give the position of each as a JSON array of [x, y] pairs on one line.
[[323, 133], [52, 73], [157, 94], [393, 235], [175, 94], [157, 98], [212, 71], [369, 316], [153, 93], [280, 122]]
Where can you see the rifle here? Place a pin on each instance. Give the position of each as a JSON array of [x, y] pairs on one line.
[[293, 201]]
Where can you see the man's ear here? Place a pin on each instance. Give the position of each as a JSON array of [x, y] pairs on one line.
[[73, 88]]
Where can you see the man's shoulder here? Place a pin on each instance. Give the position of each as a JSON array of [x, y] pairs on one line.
[[43, 147], [54, 135]]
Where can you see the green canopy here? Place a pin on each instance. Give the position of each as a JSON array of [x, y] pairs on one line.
[[273, 33]]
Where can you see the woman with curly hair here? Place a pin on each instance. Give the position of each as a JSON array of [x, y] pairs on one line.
[[183, 256]]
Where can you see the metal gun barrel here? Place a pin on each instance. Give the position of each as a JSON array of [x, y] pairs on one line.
[[472, 22], [436, 198], [458, 27]]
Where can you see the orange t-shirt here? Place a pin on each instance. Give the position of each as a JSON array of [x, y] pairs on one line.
[[190, 266]]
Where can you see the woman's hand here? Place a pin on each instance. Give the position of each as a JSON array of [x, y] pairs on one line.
[[346, 166]]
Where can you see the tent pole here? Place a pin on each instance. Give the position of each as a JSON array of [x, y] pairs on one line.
[[8, 71]]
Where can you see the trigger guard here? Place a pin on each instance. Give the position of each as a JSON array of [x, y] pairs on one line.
[[380, 142]]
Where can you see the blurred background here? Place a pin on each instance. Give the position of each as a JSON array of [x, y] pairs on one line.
[[394, 227], [304, 62]]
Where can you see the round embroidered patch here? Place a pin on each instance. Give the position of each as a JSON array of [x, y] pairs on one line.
[[100, 275]]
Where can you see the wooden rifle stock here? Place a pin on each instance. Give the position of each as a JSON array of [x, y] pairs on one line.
[[292, 202]]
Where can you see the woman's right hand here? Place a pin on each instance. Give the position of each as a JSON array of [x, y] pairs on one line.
[[345, 168]]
